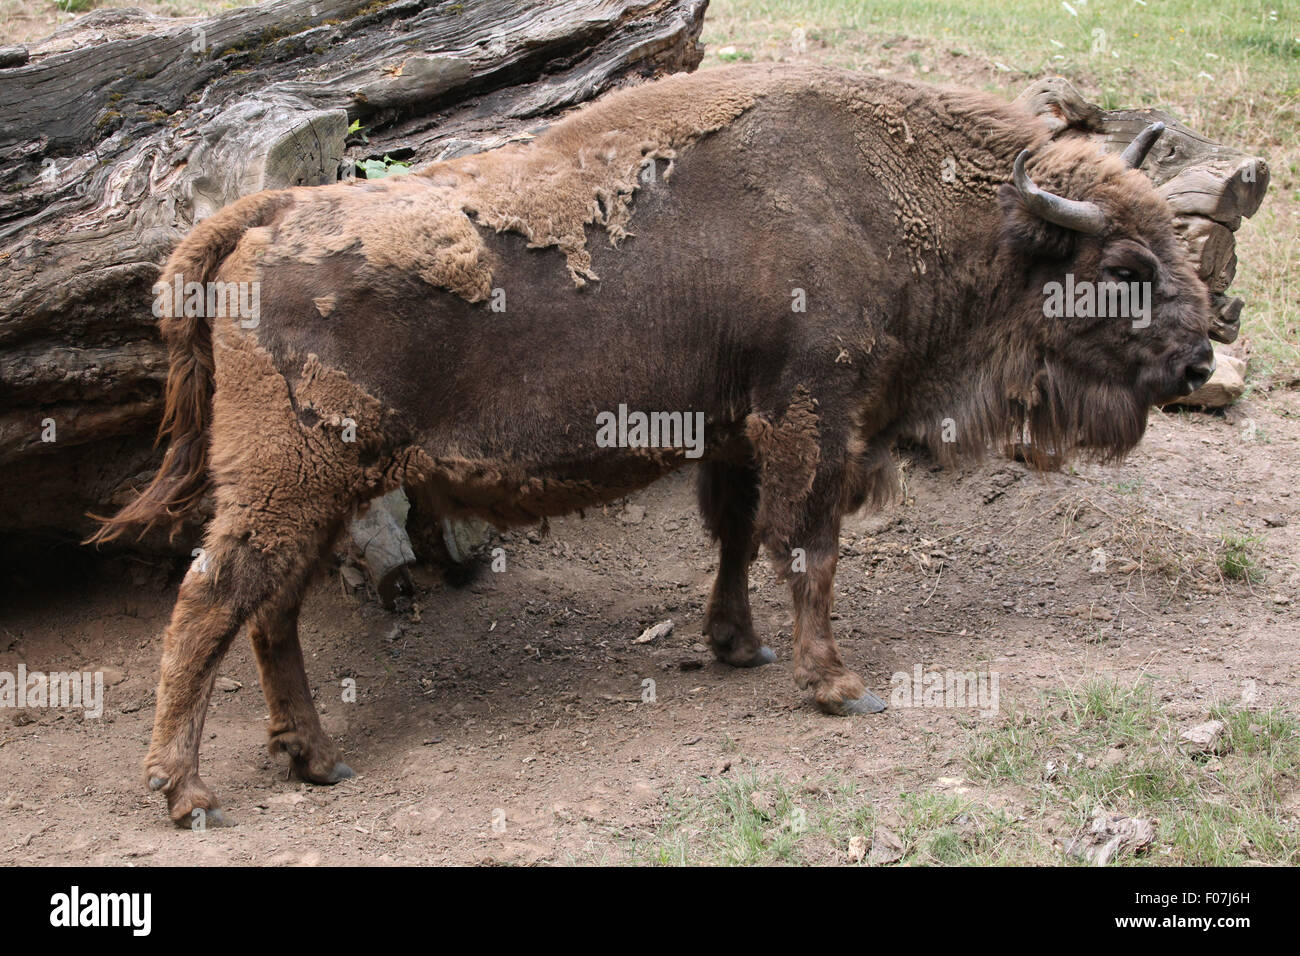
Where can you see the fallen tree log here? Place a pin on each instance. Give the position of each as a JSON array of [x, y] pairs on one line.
[[122, 130]]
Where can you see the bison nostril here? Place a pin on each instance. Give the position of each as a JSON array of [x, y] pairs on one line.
[[1198, 374]]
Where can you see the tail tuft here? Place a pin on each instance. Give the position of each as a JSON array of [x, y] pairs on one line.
[[183, 477]]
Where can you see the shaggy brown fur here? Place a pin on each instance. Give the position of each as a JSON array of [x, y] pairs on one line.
[[727, 199]]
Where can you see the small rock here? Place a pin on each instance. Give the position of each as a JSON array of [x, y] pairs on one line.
[[228, 684], [891, 818], [1275, 521], [662, 629], [632, 514], [763, 803], [886, 847], [290, 799], [1204, 738], [1109, 835], [857, 849]]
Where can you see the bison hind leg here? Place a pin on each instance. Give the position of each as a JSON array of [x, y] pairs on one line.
[[728, 496], [235, 582], [228, 583], [294, 728]]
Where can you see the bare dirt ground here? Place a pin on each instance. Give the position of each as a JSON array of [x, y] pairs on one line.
[[518, 700]]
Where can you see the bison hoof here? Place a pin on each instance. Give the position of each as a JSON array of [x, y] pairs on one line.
[[314, 773], [200, 820], [764, 655], [313, 758], [341, 771], [868, 703], [190, 804]]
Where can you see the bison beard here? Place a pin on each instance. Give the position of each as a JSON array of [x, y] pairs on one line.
[[819, 262]]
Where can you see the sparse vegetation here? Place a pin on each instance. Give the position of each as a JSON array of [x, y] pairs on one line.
[[380, 168], [749, 818], [1035, 780], [1109, 745], [1237, 560], [1122, 532]]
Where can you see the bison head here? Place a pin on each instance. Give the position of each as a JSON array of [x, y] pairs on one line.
[[1115, 318]]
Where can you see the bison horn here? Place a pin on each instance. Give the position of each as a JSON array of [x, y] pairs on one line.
[[1085, 217], [1137, 150]]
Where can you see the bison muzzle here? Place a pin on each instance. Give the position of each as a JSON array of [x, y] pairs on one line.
[[812, 264]]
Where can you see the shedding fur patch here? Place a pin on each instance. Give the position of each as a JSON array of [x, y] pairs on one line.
[[955, 140], [585, 169], [582, 171], [402, 224], [788, 454]]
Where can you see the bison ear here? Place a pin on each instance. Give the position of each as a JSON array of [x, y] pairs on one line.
[[1028, 233]]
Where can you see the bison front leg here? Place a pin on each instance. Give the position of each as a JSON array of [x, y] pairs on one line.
[[806, 480], [817, 664], [728, 501], [295, 725]]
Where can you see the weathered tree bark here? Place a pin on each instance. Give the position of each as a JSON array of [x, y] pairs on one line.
[[118, 133], [1210, 187]]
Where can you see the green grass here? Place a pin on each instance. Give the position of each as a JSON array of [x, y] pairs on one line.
[[1227, 69], [1237, 558], [382, 168], [1034, 781], [752, 819], [748, 819], [1109, 745]]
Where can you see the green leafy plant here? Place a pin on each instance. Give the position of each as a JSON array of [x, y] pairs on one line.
[[381, 168]]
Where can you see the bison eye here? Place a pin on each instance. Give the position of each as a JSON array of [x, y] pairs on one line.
[[1124, 275]]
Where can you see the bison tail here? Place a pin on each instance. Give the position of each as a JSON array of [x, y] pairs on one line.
[[182, 478]]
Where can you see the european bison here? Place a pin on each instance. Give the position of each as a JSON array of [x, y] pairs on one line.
[[811, 263]]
